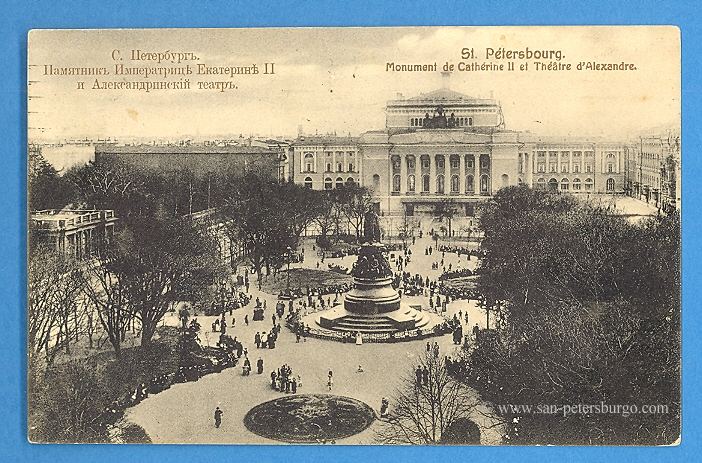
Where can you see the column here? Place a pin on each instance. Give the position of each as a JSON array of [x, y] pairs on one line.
[[462, 174], [403, 174], [476, 175]]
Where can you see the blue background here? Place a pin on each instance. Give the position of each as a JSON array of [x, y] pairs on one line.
[[16, 18]]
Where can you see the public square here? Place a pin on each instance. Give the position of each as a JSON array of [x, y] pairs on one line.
[[183, 413]]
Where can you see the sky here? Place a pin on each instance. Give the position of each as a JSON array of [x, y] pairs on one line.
[[335, 80]]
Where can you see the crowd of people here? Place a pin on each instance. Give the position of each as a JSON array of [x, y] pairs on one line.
[[283, 380]]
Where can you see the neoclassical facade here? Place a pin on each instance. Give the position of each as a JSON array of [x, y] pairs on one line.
[[444, 144]]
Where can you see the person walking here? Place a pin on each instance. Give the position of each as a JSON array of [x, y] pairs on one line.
[[218, 417], [330, 380], [257, 340], [246, 319], [259, 365]]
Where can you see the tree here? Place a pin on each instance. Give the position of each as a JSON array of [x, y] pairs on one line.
[[53, 283], [160, 262], [46, 188], [446, 209], [105, 288], [355, 201], [589, 305], [421, 414]]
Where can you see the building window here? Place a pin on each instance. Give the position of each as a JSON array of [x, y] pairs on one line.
[[440, 162], [576, 168], [396, 164], [588, 184], [396, 183], [350, 181], [309, 162], [565, 185], [541, 167], [339, 182], [610, 168], [505, 180], [425, 184], [328, 184], [470, 162], [350, 166], [576, 184], [308, 182], [552, 167], [541, 184], [553, 185], [440, 184], [588, 168], [484, 161], [470, 187], [376, 181], [455, 161], [610, 184], [470, 121], [564, 168], [541, 154], [484, 184], [410, 163], [339, 167], [425, 162], [410, 183], [455, 184]]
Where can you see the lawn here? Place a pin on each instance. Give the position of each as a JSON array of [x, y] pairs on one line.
[[301, 278]]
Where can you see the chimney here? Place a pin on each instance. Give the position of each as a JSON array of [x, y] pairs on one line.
[[445, 79]]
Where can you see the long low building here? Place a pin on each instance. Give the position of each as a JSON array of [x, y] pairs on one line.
[[79, 233], [199, 159]]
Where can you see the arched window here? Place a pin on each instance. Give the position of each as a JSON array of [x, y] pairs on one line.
[[505, 180], [308, 182], [425, 184], [350, 181], [470, 121], [484, 184], [396, 183], [339, 182], [576, 184], [588, 184], [455, 184], [328, 184], [610, 184], [565, 184], [541, 184], [470, 187], [410, 183], [376, 181], [553, 185], [309, 162], [440, 184]]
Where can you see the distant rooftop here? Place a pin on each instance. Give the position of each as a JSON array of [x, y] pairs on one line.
[[325, 140], [179, 149]]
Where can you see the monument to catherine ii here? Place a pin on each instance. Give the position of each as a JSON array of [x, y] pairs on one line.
[[373, 306]]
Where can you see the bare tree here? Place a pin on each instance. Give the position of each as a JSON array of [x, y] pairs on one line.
[[422, 413], [53, 283], [105, 290]]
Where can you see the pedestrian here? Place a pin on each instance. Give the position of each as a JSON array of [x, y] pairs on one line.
[[418, 373], [330, 380], [425, 376], [257, 340], [259, 365], [384, 405], [246, 319], [218, 417], [428, 346], [294, 386]]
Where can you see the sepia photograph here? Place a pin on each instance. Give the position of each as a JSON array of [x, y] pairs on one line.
[[355, 236]]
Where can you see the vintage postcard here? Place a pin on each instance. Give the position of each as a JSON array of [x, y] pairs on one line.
[[358, 236]]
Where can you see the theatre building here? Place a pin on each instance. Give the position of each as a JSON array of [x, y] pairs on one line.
[[446, 148]]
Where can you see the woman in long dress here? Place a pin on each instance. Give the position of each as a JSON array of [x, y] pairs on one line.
[[359, 338]]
